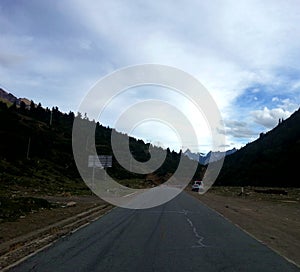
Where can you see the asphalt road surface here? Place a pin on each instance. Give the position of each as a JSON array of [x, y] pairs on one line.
[[181, 235]]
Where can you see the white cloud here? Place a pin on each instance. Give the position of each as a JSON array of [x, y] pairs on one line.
[[296, 85], [288, 105], [228, 45], [269, 117], [239, 129], [243, 44]]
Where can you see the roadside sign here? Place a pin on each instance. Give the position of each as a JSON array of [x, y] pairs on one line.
[[102, 161], [106, 161]]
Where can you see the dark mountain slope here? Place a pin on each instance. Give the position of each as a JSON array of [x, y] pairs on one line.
[[36, 151], [271, 160]]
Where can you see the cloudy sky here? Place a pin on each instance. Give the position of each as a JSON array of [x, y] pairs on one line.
[[246, 54]]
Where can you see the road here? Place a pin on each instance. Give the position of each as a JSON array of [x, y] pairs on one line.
[[181, 235]]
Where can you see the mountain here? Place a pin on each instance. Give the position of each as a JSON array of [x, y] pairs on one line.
[[11, 99], [193, 156], [36, 151], [271, 160], [205, 158]]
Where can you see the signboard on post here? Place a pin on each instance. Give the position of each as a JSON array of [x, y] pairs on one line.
[[102, 161], [106, 161]]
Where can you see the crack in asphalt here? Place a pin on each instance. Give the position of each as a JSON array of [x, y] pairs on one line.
[[197, 235]]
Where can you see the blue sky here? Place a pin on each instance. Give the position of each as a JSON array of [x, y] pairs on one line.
[[246, 54]]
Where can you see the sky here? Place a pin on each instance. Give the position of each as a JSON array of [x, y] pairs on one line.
[[245, 53]]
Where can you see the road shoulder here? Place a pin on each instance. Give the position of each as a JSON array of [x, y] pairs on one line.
[[274, 223], [36, 231]]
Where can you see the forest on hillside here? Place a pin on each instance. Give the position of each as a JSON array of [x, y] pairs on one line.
[[36, 151], [271, 160]]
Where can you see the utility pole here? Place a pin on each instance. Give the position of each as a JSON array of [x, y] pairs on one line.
[[50, 122], [28, 148]]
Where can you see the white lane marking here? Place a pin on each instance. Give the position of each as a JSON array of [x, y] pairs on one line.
[[130, 194]]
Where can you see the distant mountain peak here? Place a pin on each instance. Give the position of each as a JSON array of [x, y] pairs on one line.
[[211, 156]]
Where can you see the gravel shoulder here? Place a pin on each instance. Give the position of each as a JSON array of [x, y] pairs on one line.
[[272, 219]]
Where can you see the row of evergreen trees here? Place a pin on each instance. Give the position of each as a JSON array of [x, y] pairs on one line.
[[35, 133], [271, 160]]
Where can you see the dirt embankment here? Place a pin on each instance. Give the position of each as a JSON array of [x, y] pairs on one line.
[[274, 219], [39, 228]]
